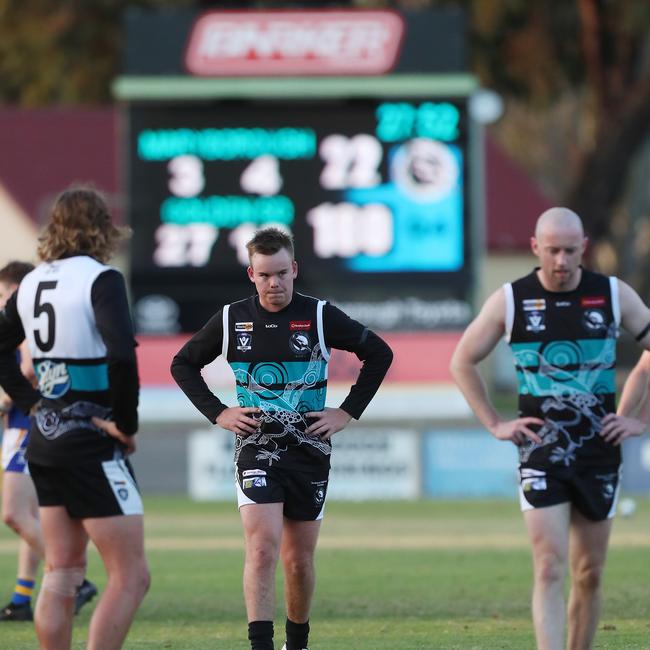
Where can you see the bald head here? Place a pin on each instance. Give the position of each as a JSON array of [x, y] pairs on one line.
[[559, 243], [558, 220]]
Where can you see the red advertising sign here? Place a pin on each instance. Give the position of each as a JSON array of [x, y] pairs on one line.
[[308, 42]]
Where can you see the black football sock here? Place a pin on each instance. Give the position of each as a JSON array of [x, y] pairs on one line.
[[260, 634], [297, 635]]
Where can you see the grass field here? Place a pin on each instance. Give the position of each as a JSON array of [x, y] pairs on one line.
[[392, 576]]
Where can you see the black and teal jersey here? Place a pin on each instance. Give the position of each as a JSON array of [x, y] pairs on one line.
[[279, 360], [74, 315], [564, 347]]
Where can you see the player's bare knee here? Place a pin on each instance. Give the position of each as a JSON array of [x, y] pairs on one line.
[[549, 568], [261, 556], [588, 577], [298, 564], [9, 518], [63, 581]]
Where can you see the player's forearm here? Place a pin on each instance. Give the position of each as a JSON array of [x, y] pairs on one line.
[[634, 397], [472, 386], [377, 361]]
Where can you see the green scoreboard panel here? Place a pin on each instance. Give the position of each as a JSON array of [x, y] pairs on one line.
[[375, 190]]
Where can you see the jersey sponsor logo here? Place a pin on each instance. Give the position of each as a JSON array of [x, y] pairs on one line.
[[299, 343], [563, 303], [529, 484], [255, 482], [535, 321], [534, 304], [244, 342], [593, 301], [299, 325], [253, 472], [244, 327], [53, 379], [593, 320], [270, 326]]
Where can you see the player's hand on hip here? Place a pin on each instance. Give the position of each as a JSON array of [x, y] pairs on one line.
[[238, 420], [327, 422], [111, 429], [517, 430], [617, 428]]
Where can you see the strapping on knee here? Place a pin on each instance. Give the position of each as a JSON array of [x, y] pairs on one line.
[[63, 581]]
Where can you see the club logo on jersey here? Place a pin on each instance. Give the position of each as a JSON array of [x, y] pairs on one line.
[[534, 304], [244, 327], [244, 342], [299, 343], [319, 492], [535, 321], [593, 320], [53, 379], [299, 325], [593, 301], [256, 482], [120, 490]]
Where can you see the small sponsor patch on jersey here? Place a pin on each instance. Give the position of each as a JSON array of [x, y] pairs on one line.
[[253, 472], [593, 301], [535, 321], [299, 325], [563, 303], [270, 326], [256, 482], [53, 379], [534, 304], [244, 327], [529, 484], [244, 341]]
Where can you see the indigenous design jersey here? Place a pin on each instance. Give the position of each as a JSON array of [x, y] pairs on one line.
[[564, 346], [280, 364], [69, 356]]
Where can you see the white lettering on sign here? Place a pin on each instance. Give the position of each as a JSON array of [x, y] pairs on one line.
[[294, 42]]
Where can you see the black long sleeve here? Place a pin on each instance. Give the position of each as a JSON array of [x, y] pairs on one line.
[[23, 394], [345, 333], [203, 348], [113, 318]]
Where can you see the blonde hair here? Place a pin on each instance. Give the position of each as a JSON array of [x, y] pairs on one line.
[[80, 224]]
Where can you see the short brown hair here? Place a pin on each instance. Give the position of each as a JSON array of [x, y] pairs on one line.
[[80, 224], [15, 271], [269, 241]]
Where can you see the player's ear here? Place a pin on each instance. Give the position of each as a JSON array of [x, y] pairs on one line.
[[251, 274], [533, 246], [294, 267]]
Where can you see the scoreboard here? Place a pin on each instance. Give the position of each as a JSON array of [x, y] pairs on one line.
[[375, 190]]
